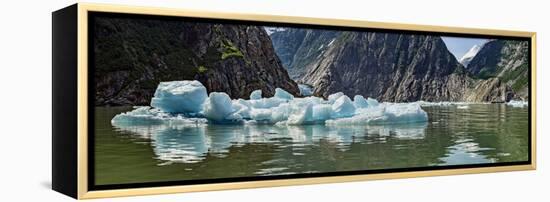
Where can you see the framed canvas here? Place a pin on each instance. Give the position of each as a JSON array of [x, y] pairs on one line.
[[158, 100]]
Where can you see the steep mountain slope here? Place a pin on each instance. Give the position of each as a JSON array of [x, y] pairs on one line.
[[507, 60], [467, 58], [298, 47], [389, 67], [386, 66], [133, 55]]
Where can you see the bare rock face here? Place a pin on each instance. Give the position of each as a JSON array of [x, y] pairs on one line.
[[399, 67], [385, 66], [132, 56], [298, 47], [492, 89], [507, 60]]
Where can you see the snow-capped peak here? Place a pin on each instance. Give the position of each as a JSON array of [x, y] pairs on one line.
[[271, 30], [465, 60]]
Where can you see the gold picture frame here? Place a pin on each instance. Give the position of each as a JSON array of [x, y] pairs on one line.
[[78, 187]]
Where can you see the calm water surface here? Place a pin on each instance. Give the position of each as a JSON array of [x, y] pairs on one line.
[[481, 133]]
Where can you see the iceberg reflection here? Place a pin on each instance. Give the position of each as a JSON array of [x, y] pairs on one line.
[[192, 143]]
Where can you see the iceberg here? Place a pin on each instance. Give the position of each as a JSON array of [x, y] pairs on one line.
[[372, 102], [282, 94], [219, 108], [187, 103], [343, 107], [256, 95], [301, 117], [153, 116], [360, 102], [179, 96], [334, 97], [322, 112], [265, 102], [447, 104], [387, 113], [517, 103], [261, 114]]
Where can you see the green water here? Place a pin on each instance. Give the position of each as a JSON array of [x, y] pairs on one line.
[[483, 133]]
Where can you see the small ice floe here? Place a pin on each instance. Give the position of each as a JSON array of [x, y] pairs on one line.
[[446, 103], [517, 103], [462, 107]]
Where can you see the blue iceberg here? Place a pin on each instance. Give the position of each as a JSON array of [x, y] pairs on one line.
[[256, 95], [187, 103], [179, 96]]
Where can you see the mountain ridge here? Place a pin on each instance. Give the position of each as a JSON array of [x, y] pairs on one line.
[[385, 66], [467, 58], [132, 56]]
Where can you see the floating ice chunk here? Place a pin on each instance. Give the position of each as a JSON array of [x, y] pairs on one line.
[[360, 102], [384, 114], [406, 113], [343, 107], [517, 103], [280, 113], [172, 105], [363, 116], [261, 114], [219, 108], [242, 107], [307, 100], [179, 96], [322, 112], [140, 116], [305, 90], [266, 102], [256, 95], [462, 107], [301, 117], [282, 94], [372, 102], [153, 116], [333, 97], [445, 103]]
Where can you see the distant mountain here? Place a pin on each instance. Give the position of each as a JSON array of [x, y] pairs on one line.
[[506, 60], [466, 58], [133, 55], [389, 67], [386, 66], [299, 47]]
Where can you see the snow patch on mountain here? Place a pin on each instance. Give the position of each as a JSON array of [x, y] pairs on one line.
[[271, 30], [467, 58]]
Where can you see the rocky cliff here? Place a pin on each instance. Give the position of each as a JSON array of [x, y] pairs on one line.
[[133, 55], [386, 66], [505, 60], [298, 47]]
